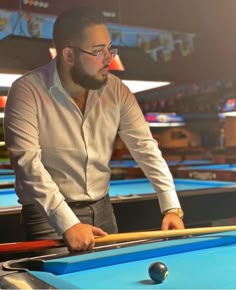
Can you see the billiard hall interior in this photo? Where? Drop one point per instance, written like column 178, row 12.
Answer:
column 178, row 59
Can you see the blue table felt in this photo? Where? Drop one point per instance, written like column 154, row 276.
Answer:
column 203, row 262
column 6, row 171
column 130, row 187
column 7, row 179
column 224, row 167
column 143, row 186
column 133, row 163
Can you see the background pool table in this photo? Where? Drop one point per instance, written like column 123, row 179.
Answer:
column 203, row 262
column 136, row 206
column 5, row 163
column 203, row 202
column 130, row 169
column 226, row 172
column 4, row 171
column 7, row 180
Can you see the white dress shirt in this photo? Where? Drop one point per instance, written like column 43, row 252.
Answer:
column 61, row 155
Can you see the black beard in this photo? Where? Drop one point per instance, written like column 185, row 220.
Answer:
column 80, row 77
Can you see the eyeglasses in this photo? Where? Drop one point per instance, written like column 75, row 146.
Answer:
column 100, row 53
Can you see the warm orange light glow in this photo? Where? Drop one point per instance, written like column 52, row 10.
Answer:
column 116, row 64
column 3, row 100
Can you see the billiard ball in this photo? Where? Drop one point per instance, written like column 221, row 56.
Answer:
column 158, row 272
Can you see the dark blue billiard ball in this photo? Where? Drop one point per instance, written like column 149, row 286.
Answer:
column 158, row 272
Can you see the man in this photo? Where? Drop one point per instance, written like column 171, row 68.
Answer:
column 61, row 121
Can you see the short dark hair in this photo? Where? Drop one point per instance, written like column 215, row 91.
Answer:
column 70, row 24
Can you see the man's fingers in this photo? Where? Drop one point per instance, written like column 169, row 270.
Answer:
column 98, row 232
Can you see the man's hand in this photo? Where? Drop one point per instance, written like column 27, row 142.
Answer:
column 81, row 237
column 172, row 221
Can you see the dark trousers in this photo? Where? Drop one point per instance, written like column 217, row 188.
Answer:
column 99, row 213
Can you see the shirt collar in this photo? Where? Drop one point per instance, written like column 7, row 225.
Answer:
column 54, row 79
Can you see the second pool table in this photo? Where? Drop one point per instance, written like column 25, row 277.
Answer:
column 5, row 163
column 136, row 206
column 7, row 180
column 6, row 171
column 203, row 201
column 130, row 169
column 225, row 172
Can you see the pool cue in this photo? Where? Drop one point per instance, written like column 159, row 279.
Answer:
column 148, row 235
column 31, row 246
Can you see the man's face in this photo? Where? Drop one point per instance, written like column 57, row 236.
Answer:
column 90, row 71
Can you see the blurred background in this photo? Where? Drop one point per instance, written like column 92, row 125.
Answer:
column 184, row 49
column 179, row 59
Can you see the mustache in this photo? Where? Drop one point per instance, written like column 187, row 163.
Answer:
column 105, row 66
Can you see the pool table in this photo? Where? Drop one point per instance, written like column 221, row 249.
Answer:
column 5, row 163
column 203, row 201
column 200, row 262
column 8, row 201
column 4, row 171
column 130, row 168
column 7, row 180
column 226, row 172
column 136, row 206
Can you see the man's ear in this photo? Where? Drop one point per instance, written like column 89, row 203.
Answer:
column 68, row 55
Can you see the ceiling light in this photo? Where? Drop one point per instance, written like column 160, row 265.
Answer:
column 166, row 124
column 138, row 86
column 227, row 114
column 6, row 80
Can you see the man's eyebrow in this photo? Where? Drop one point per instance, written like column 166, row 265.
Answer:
column 102, row 45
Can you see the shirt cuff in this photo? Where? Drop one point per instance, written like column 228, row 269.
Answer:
column 168, row 200
column 63, row 218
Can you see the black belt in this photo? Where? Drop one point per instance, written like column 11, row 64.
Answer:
column 87, row 202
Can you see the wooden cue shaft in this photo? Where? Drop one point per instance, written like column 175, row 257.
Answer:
column 20, row 247
column 122, row 237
